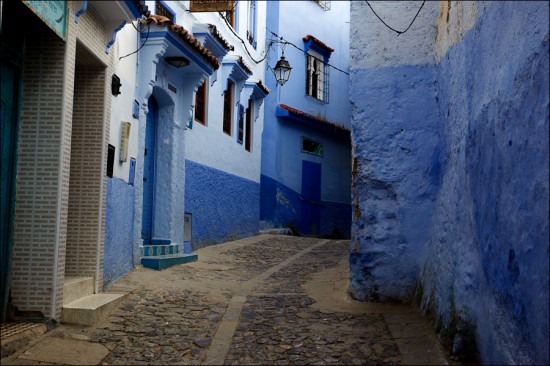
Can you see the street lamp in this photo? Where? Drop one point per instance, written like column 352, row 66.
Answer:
column 282, row 71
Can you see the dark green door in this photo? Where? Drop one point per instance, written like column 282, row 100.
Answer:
column 9, row 112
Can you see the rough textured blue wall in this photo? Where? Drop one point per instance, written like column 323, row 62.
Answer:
column 224, row 206
column 396, row 174
column 486, row 275
column 119, row 225
column 282, row 207
column 457, row 208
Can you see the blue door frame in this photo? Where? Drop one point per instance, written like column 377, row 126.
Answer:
column 310, row 221
column 9, row 112
column 149, row 172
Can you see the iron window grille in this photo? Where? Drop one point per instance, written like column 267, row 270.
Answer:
column 317, row 78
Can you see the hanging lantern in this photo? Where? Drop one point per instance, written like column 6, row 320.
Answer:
column 282, row 71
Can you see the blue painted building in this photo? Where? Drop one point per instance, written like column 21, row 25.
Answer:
column 450, row 126
column 306, row 150
column 186, row 133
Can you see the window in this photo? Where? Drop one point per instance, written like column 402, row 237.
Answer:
column 200, row 104
column 251, row 29
column 228, row 107
column 240, row 129
column 317, row 78
column 248, row 125
column 312, row 147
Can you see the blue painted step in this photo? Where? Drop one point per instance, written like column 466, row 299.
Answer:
column 155, row 250
column 164, row 261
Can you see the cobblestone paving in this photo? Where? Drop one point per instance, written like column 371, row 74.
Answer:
column 246, row 303
column 159, row 327
column 284, row 330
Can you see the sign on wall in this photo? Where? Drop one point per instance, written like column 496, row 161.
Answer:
column 53, row 13
column 211, row 5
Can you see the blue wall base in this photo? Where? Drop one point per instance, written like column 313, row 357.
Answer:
column 165, row 261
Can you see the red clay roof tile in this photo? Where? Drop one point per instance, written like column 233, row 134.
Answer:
column 187, row 37
column 318, row 42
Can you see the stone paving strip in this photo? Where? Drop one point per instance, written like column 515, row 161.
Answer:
column 262, row 300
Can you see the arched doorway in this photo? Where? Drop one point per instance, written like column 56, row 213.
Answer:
column 149, row 171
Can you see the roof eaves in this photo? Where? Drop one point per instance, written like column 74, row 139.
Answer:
column 186, row 36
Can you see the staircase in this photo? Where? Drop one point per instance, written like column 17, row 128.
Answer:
column 82, row 306
column 161, row 256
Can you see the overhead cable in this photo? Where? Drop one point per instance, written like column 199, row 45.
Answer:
column 395, row 30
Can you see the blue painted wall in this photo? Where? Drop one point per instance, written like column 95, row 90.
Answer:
column 119, row 225
column 224, row 206
column 281, row 139
column 451, row 181
column 281, row 206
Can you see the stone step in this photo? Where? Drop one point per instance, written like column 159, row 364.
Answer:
column 164, row 261
column 154, row 250
column 91, row 309
column 75, row 288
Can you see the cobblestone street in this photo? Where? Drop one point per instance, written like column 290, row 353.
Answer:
column 261, row 300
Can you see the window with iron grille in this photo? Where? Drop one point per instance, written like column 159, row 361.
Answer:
column 162, row 9
column 200, row 104
column 311, row 146
column 228, row 107
column 317, row 77
column 248, row 126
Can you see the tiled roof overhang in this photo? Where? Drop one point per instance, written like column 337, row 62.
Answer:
column 315, row 41
column 285, row 112
column 263, row 88
column 244, row 65
column 216, row 33
column 186, row 37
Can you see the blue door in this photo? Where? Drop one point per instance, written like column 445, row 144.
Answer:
column 9, row 113
column 311, row 198
column 149, row 172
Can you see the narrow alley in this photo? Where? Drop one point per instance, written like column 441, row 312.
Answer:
column 268, row 299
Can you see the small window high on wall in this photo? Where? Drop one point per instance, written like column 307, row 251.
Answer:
column 228, row 107
column 312, row 147
column 317, row 76
column 200, row 104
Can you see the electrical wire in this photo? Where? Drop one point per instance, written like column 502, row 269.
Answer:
column 143, row 44
column 395, row 30
column 305, row 52
column 243, row 42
